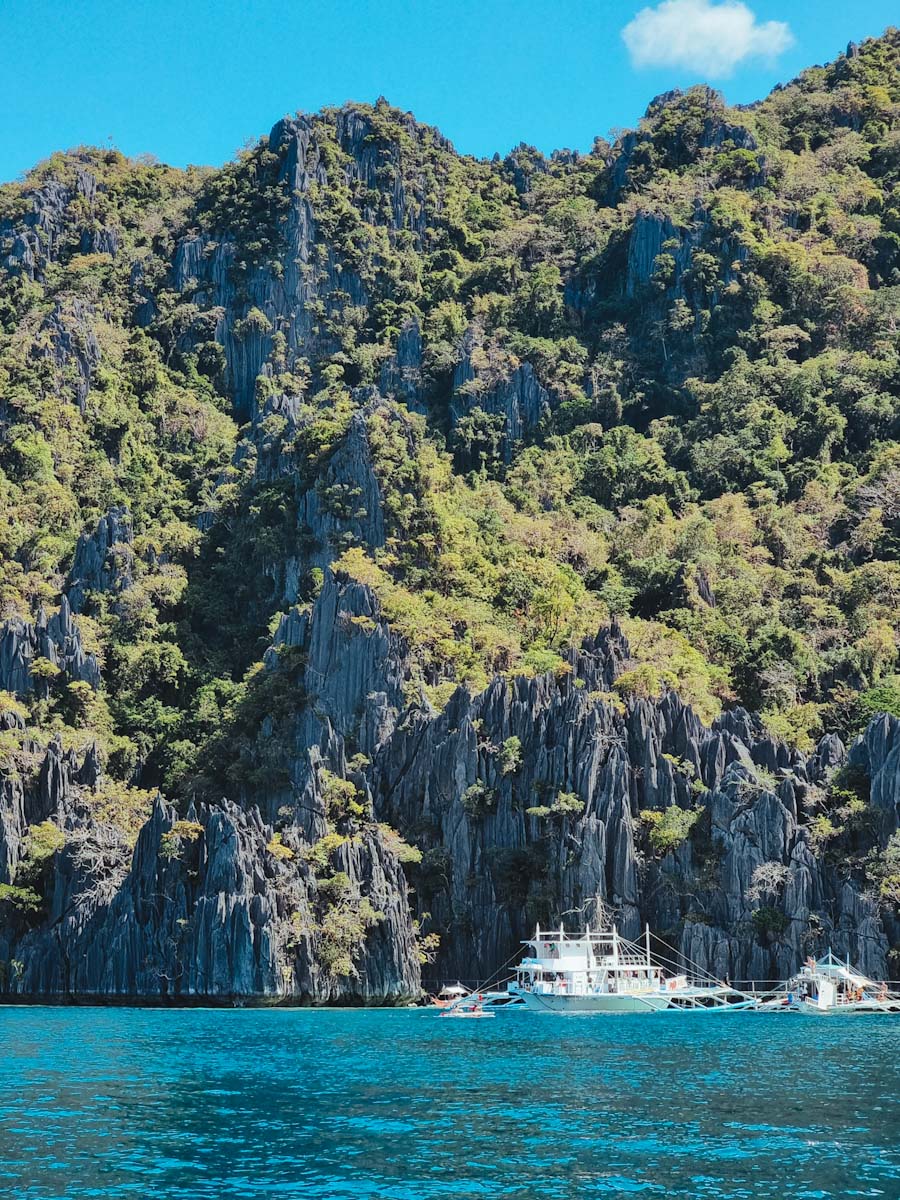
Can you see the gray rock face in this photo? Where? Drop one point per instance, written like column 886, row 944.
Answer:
column 653, row 234
column 199, row 910
column 491, row 868
column 37, row 239
column 343, row 508
column 877, row 755
column 716, row 133
column 526, row 801
column 517, row 395
column 285, row 301
column 523, row 164
column 269, row 440
column 354, row 680
column 310, row 272
column 649, row 232
column 55, row 638
column 451, row 782
column 102, row 559
column 205, row 908
column 20, row 805
column 401, row 375
column 69, row 342
column 376, row 165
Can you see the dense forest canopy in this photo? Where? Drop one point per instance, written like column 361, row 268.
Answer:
column 659, row 382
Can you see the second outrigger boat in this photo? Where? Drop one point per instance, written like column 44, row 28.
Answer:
column 602, row 972
column 830, row 986
column 452, row 999
column 449, row 995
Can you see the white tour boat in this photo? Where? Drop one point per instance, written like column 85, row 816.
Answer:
column 602, row 972
column 828, row 985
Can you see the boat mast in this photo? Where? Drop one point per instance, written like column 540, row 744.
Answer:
column 647, row 941
column 615, row 941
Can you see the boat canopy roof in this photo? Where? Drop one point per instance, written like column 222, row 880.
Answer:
column 453, row 989
column 556, row 937
column 832, row 966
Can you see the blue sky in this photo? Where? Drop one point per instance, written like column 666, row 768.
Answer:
column 192, row 80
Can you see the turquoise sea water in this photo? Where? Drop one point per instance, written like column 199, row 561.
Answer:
column 213, row 1105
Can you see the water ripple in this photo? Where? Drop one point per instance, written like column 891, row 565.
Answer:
column 248, row 1105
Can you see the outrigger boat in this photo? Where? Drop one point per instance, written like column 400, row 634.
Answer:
column 456, row 997
column 602, row 972
column 449, row 994
column 828, row 985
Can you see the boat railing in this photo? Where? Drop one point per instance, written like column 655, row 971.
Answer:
column 752, row 986
column 764, row 985
column 555, row 987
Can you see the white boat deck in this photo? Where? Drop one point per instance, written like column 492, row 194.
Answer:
column 600, row 971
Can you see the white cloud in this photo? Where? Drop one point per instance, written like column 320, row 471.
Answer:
column 702, row 36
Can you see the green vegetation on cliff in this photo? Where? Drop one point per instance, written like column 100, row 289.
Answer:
column 658, row 382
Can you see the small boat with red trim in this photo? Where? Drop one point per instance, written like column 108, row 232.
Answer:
column 450, row 994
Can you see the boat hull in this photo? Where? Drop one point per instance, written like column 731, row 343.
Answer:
column 606, row 1003
column 853, row 1008
column 611, row 1003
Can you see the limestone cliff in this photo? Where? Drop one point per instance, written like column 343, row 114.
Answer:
column 337, row 486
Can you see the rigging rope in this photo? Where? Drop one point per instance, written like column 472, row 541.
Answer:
column 681, row 961
column 482, row 987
